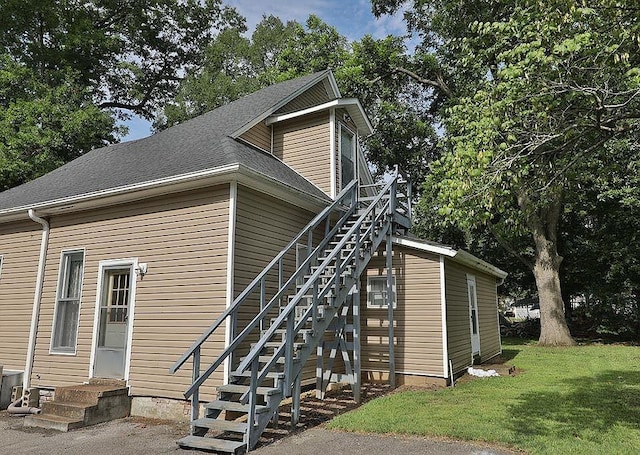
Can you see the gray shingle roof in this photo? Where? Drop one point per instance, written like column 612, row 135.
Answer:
column 199, row 144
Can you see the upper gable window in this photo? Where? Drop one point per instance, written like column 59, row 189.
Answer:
column 347, row 156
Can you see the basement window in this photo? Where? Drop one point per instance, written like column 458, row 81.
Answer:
column 377, row 292
column 67, row 313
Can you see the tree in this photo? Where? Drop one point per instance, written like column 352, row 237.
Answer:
column 530, row 92
column 71, row 68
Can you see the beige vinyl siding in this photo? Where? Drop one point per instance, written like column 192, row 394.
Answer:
column 264, row 225
column 183, row 239
column 458, row 322
column 20, row 249
column 303, row 144
column 417, row 316
column 259, row 136
column 458, row 319
column 488, row 316
column 312, row 97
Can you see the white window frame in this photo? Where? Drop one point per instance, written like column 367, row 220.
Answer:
column 354, row 149
column 382, row 278
column 103, row 266
column 1, row 263
column 61, row 271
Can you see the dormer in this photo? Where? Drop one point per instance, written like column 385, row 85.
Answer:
column 316, row 132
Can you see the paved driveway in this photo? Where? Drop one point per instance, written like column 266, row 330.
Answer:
column 128, row 436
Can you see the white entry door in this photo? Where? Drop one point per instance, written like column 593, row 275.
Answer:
column 113, row 323
column 473, row 315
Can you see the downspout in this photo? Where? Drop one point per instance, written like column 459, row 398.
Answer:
column 26, row 381
column 18, row 410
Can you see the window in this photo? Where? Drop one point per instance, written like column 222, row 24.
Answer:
column 1, row 263
column 347, row 156
column 65, row 328
column 377, row 292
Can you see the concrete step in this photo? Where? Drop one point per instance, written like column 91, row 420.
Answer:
column 223, row 405
column 211, row 444
column 53, row 422
column 88, row 393
column 67, row 409
column 84, row 405
column 221, row 425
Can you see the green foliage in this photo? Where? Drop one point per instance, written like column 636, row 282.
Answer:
column 43, row 127
column 235, row 65
column 564, row 400
column 69, row 69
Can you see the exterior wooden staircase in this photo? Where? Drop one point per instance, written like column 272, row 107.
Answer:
column 292, row 323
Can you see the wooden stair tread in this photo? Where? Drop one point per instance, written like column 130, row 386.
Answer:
column 239, row 388
column 219, row 445
column 247, row 374
column 221, row 425
column 233, row 406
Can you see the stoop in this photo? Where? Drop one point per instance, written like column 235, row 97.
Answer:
column 82, row 405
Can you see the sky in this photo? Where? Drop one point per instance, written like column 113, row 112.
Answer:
column 352, row 18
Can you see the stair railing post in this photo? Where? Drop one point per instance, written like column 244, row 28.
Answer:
column 295, row 402
column 392, row 364
column 288, row 357
column 251, row 417
column 263, row 293
column 314, row 311
column 356, row 341
column 195, row 398
column 280, row 278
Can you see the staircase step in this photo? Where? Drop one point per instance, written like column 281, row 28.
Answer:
column 221, row 425
column 67, row 409
column 233, row 406
column 239, row 388
column 53, row 422
column 276, row 344
column 218, row 445
column 247, row 374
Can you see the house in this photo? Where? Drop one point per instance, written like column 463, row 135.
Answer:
column 241, row 254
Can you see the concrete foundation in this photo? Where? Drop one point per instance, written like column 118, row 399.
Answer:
column 404, row 379
column 162, row 408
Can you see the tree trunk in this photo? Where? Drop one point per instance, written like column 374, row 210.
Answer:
column 553, row 326
column 543, row 220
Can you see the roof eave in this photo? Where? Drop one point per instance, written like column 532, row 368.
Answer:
column 352, row 105
column 459, row 256
column 251, row 123
column 167, row 185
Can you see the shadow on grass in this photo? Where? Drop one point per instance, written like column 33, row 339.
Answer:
column 592, row 406
column 509, row 354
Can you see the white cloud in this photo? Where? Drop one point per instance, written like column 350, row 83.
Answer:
column 298, row 10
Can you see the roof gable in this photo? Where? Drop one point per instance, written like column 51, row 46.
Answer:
column 202, row 143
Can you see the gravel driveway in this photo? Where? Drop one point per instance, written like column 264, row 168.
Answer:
column 139, row 437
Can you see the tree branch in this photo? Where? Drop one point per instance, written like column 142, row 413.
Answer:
column 504, row 244
column 438, row 83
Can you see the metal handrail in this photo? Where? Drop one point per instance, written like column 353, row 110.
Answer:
column 255, row 351
column 314, row 223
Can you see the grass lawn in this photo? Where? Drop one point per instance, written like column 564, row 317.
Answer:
column 581, row 400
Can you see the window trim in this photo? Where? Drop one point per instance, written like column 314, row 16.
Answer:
column 370, row 305
column 52, row 349
column 354, row 154
column 1, row 263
